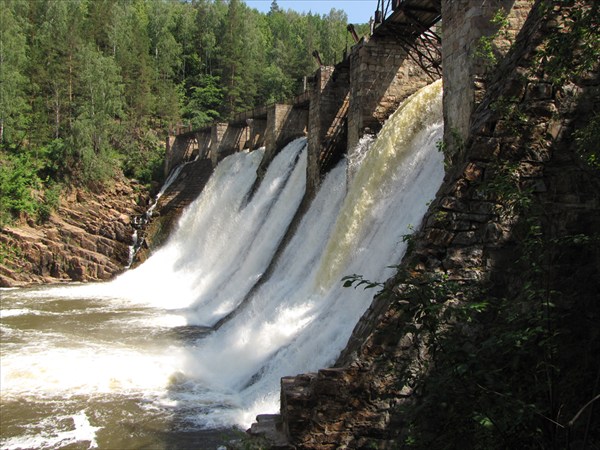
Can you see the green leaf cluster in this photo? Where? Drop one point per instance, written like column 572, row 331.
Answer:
column 22, row 186
column 587, row 140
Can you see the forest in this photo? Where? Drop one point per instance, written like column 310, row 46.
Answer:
column 90, row 89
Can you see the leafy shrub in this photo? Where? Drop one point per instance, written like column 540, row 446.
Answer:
column 18, row 182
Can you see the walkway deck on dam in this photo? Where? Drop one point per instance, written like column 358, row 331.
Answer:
column 241, row 118
column 410, row 18
column 411, row 25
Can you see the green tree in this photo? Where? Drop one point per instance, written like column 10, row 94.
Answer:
column 98, row 24
column 334, row 36
column 186, row 35
column 232, row 59
column 18, row 181
column 55, row 35
column 166, row 53
column 210, row 20
column 13, row 60
column 131, row 48
column 203, row 104
column 99, row 105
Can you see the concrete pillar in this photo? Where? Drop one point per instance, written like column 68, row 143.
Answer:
column 328, row 97
column 226, row 139
column 284, row 124
column 466, row 23
column 258, row 128
column 180, row 149
column 203, row 138
column 168, row 154
column 217, row 132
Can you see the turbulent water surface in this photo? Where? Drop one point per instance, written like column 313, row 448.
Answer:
column 139, row 363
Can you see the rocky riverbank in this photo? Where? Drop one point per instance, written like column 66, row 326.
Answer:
column 86, row 239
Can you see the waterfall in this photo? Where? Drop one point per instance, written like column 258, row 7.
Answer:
column 298, row 320
column 301, row 318
column 141, row 221
column 391, row 150
column 222, row 243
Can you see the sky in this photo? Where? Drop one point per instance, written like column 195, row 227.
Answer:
column 358, row 11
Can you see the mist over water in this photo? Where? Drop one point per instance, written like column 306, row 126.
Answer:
column 142, row 343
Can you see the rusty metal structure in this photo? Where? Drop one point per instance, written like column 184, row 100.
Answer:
column 412, row 23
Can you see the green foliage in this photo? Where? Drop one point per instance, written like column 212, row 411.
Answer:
column 49, row 203
column 100, row 103
column 506, row 186
column 87, row 87
column 575, row 46
column 18, row 183
column 587, row 140
column 276, row 86
column 486, row 47
column 13, row 100
column 358, row 280
column 9, row 252
column 509, row 110
column 143, row 158
column 203, row 102
column 26, row 185
column 451, row 148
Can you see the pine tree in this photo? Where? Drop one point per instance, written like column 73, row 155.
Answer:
column 99, row 104
column 131, row 48
column 13, row 47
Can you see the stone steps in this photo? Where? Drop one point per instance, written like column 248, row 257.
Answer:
column 269, row 427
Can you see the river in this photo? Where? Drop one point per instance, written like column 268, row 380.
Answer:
column 181, row 352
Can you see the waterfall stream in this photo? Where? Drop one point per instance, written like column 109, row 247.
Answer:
column 134, row 363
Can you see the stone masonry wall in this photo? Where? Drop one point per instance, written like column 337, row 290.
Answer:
column 382, row 75
column 467, row 238
column 466, row 59
column 284, row 124
column 327, row 98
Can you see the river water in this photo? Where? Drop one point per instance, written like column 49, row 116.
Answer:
column 182, row 352
column 87, row 373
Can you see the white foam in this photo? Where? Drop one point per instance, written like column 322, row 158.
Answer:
column 14, row 312
column 36, row 372
column 82, row 431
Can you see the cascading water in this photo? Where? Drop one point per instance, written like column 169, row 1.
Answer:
column 129, row 363
column 222, row 245
column 141, row 221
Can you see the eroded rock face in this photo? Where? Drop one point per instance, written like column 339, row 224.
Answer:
column 87, row 239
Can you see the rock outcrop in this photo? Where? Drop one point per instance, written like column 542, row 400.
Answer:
column 86, row 239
